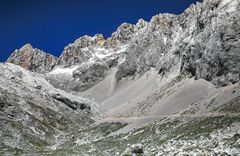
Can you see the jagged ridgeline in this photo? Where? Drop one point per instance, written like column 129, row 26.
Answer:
column 169, row 86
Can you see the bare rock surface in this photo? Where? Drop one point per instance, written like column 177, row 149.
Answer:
column 32, row 113
column 202, row 42
column 33, row 59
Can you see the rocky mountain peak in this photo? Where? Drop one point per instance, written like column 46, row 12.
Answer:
column 99, row 40
column 87, row 41
column 27, row 47
column 33, row 59
column 123, row 34
column 86, row 48
column 140, row 24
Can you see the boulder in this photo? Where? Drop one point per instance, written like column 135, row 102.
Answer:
column 137, row 148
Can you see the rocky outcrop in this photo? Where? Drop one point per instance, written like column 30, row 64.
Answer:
column 213, row 52
column 89, row 75
column 81, row 50
column 123, row 34
column 72, row 104
column 33, row 59
column 87, row 49
column 148, row 47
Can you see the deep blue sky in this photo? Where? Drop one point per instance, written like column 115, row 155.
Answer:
column 51, row 24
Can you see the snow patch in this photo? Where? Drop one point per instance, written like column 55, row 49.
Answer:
column 165, row 40
column 61, row 70
column 102, row 53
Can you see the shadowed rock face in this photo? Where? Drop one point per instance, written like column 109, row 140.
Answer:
column 72, row 104
column 90, row 75
column 33, row 59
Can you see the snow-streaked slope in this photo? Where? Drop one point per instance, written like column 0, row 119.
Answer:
column 100, row 54
column 90, row 72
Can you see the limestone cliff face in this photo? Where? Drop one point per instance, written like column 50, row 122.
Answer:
column 87, row 48
column 202, row 42
column 81, row 50
column 33, row 59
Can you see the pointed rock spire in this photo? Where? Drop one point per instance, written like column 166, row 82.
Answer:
column 26, row 47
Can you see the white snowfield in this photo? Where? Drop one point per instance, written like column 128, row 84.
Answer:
column 64, row 71
column 102, row 53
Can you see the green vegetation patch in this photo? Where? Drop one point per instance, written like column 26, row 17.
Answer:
column 203, row 126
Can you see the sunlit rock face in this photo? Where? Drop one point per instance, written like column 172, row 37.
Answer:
column 33, row 59
column 202, row 42
column 87, row 49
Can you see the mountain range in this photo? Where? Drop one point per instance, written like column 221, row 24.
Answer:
column 169, row 86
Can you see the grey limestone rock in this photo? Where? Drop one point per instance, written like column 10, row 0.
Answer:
column 123, row 34
column 90, row 74
column 81, row 50
column 85, row 48
column 137, row 148
column 72, row 104
column 31, row 118
column 204, row 40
